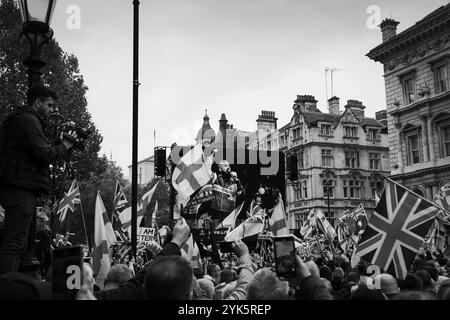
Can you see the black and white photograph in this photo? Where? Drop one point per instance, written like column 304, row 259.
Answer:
column 224, row 151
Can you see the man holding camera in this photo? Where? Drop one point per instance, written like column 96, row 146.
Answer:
column 25, row 156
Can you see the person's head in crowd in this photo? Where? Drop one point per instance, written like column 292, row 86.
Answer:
column 320, row 262
column 313, row 269
column 443, row 292
column 432, row 271
column 325, row 272
column 426, row 279
column 226, row 276
column 361, row 268
column 265, row 285
column 409, row 295
column 117, row 275
column 88, row 276
column 331, row 264
column 433, row 263
column 198, row 273
column 207, row 286
column 169, row 278
column 388, row 284
column 213, row 270
column 412, row 282
column 418, row 264
column 364, row 293
column 338, row 273
column 351, row 278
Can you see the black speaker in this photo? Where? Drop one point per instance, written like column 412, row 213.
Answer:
column 160, row 161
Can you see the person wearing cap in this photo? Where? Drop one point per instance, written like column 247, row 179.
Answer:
column 388, row 285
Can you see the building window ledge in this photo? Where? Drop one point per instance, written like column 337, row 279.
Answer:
column 326, row 136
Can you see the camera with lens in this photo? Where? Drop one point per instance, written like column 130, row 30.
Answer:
column 82, row 134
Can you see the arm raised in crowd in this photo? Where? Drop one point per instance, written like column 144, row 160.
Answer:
column 132, row 289
column 246, row 271
column 309, row 287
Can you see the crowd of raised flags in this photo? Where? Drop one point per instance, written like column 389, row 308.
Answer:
column 401, row 223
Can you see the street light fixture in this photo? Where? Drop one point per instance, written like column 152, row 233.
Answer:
column 36, row 17
column 328, row 183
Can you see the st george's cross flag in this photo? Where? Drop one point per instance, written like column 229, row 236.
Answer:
column 396, row 230
column 191, row 252
column 104, row 238
column 277, row 221
column 69, row 200
column 191, row 173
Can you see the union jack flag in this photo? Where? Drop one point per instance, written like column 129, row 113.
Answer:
column 396, row 230
column 442, row 198
column 70, row 198
column 120, row 200
column 254, row 209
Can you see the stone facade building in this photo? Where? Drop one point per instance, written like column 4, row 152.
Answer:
column 417, row 80
column 346, row 149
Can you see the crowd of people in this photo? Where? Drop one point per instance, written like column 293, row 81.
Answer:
column 245, row 276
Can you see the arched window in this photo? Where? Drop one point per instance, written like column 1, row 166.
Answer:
column 419, row 191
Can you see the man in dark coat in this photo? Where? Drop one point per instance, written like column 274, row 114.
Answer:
column 25, row 157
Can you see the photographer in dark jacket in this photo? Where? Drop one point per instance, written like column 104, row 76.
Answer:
column 24, row 173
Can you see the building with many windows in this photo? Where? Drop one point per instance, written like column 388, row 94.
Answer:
column 416, row 74
column 146, row 170
column 343, row 155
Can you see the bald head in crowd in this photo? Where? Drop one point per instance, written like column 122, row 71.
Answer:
column 169, row 278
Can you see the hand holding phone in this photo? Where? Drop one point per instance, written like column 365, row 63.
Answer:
column 285, row 260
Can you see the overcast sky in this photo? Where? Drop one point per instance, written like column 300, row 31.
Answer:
column 233, row 56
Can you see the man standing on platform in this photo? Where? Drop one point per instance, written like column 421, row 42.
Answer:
column 25, row 156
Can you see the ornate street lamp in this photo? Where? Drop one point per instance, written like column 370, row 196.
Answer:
column 36, row 17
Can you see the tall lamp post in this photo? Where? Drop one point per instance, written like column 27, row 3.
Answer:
column 328, row 183
column 36, row 16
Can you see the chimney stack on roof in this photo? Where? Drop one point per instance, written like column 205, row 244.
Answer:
column 356, row 107
column 388, row 29
column 333, row 105
column 306, row 103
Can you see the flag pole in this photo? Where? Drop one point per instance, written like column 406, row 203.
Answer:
column 419, row 196
column 84, row 225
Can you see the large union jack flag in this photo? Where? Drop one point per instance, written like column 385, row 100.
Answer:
column 396, row 230
column 70, row 198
